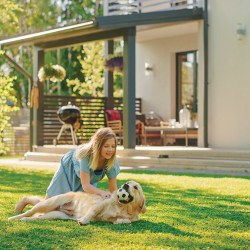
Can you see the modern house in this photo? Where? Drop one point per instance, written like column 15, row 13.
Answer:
column 175, row 52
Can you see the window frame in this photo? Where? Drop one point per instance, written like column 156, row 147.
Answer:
column 179, row 105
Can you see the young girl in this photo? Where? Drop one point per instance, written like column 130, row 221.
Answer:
column 81, row 169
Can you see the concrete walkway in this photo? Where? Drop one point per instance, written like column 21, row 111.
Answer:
column 52, row 166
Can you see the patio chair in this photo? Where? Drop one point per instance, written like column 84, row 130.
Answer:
column 114, row 121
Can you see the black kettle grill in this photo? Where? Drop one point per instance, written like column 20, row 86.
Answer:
column 69, row 116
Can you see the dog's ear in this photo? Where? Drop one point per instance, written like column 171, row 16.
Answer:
column 143, row 204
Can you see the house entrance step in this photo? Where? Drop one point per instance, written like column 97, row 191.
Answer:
column 154, row 161
column 163, row 152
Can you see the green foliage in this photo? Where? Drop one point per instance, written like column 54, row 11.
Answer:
column 118, row 76
column 68, row 12
column 92, row 64
column 9, row 20
column 118, row 90
column 7, row 105
column 90, row 82
column 44, row 15
column 78, row 10
column 183, row 212
column 17, row 19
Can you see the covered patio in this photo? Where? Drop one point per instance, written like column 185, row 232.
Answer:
column 102, row 28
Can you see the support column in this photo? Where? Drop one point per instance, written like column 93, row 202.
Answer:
column 206, row 25
column 37, row 121
column 108, row 76
column 129, row 116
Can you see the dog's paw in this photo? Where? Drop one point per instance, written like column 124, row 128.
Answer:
column 12, row 218
column 26, row 219
column 122, row 221
column 83, row 221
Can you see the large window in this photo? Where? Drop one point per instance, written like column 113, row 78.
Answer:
column 186, row 87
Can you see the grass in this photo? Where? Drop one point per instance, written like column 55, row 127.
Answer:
column 183, row 212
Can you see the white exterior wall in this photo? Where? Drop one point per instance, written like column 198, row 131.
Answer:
column 229, row 75
column 158, row 90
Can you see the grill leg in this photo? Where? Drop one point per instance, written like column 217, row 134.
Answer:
column 73, row 135
column 60, row 133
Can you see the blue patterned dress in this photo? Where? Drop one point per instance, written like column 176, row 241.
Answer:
column 67, row 177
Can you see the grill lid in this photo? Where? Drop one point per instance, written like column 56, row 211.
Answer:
column 69, row 114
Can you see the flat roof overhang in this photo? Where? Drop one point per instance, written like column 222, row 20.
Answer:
column 63, row 36
column 102, row 28
column 158, row 17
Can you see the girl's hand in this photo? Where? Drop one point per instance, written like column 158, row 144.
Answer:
column 105, row 195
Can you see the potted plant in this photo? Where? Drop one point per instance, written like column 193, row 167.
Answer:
column 114, row 63
column 54, row 73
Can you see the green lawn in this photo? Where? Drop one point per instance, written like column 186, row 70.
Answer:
column 183, row 212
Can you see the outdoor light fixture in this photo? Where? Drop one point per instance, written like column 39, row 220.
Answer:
column 240, row 31
column 148, row 69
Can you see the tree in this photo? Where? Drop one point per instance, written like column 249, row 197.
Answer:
column 47, row 14
column 16, row 19
column 92, row 69
column 9, row 23
column 7, row 105
column 78, row 10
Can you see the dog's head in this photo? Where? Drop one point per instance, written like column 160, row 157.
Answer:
column 131, row 193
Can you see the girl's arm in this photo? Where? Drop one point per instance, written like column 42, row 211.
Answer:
column 88, row 188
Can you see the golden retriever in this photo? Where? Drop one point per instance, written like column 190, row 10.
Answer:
column 123, row 206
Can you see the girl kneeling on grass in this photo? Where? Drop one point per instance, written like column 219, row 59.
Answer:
column 82, row 168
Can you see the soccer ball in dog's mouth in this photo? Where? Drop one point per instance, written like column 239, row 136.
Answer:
column 124, row 196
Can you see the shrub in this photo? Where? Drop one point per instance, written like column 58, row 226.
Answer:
column 7, row 106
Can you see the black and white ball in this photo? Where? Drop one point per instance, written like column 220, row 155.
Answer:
column 122, row 194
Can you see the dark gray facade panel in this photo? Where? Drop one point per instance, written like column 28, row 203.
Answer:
column 123, row 21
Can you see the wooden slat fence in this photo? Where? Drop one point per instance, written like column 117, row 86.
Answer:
column 118, row 104
column 92, row 116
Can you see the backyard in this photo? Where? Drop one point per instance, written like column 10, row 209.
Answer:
column 184, row 211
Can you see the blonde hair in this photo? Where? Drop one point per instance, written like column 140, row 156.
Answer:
column 92, row 149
